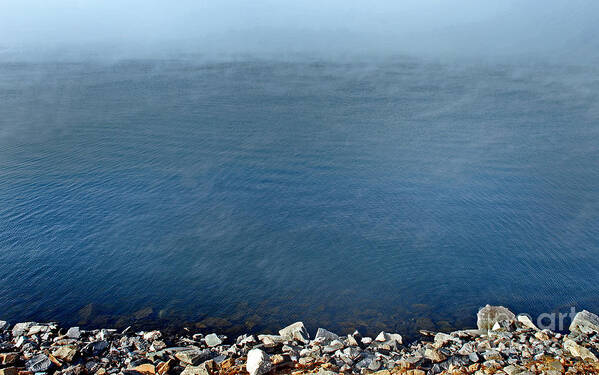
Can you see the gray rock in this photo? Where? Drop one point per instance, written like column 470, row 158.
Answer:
column 325, row 336
column 73, row 333
column 585, row 322
column 206, row 368
column 271, row 341
column 39, row 363
column 296, row 331
column 193, row 356
column 257, row 362
column 375, row 365
column 579, row 351
column 4, row 325
column 489, row 315
column 212, row 340
column 21, row 328
column 525, row 321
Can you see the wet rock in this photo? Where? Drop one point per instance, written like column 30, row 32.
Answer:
column 296, row 331
column 39, row 363
column 212, row 340
column 258, row 362
column 585, row 322
column 489, row 315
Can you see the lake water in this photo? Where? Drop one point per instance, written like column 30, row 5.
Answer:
column 250, row 194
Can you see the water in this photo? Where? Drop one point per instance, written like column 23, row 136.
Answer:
column 250, row 194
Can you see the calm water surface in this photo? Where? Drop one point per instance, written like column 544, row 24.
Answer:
column 398, row 195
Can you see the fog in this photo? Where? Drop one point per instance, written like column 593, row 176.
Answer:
column 547, row 30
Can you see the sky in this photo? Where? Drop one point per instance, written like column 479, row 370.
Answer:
column 549, row 29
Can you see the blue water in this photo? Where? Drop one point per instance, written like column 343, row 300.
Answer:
column 399, row 195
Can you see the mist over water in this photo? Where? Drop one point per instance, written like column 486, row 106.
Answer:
column 245, row 166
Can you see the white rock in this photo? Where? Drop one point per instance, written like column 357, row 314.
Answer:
column 526, row 322
column 257, row 362
column 384, row 336
column 585, row 322
column 296, row 331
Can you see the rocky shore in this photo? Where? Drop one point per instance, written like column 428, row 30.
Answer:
column 501, row 344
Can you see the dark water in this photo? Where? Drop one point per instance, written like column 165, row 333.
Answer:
column 396, row 195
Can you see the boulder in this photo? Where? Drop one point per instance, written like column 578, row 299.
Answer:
column 257, row 362
column 434, row 355
column 489, row 315
column 21, row 328
column 296, row 331
column 585, row 322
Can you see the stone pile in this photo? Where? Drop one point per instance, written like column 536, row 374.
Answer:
column 502, row 344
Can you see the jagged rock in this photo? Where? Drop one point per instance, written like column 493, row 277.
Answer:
column 146, row 368
column 579, row 351
column 21, row 328
column 489, row 315
column 296, row 331
column 212, row 340
column 152, row 335
column 73, row 333
column 585, row 322
column 526, row 322
column 257, row 362
column 325, row 336
column 4, row 325
column 205, row 368
column 384, row 336
column 271, row 341
column 193, row 356
column 9, row 371
column 434, row 355
column 39, row 363
column 65, row 353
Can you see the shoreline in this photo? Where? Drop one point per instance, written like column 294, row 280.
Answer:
column 502, row 343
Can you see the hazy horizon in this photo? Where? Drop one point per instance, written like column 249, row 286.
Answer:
column 554, row 31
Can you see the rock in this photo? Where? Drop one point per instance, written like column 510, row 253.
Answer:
column 296, row 331
column 257, row 362
column 489, row 315
column 384, row 336
column 271, row 341
column 579, row 351
column 21, row 328
column 8, row 358
column 585, row 322
column 39, row 363
column 9, row 371
column 434, row 355
column 65, row 353
column 98, row 347
column 37, row 329
column 212, row 340
column 442, row 339
column 193, row 356
column 206, row 368
column 146, row 368
column 526, row 322
column 325, row 336
column 73, row 333
column 366, row 340
column 164, row 367
column 4, row 325
column 152, row 335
